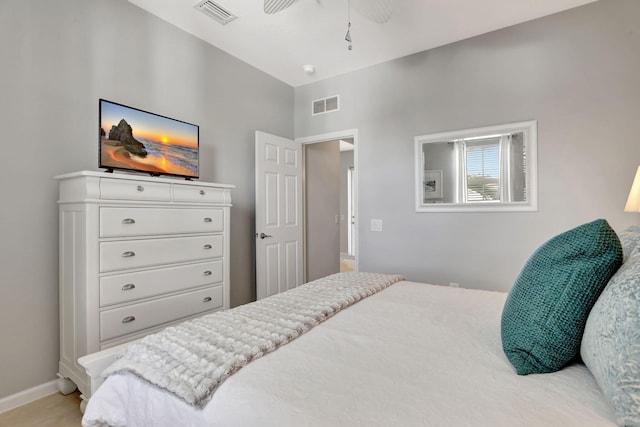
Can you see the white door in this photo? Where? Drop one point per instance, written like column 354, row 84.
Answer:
column 278, row 214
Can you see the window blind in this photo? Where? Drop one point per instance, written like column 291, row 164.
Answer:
column 483, row 170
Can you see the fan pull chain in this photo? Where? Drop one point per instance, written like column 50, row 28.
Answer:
column 347, row 37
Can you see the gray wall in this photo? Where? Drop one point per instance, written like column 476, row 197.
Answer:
column 57, row 59
column 322, row 196
column 575, row 72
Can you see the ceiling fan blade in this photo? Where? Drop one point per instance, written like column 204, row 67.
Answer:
column 275, row 6
column 378, row 11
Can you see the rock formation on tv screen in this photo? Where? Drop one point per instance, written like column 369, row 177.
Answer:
column 124, row 133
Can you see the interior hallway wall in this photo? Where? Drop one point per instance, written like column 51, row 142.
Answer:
column 322, row 196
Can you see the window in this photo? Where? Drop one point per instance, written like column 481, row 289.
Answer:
column 493, row 169
column 482, row 170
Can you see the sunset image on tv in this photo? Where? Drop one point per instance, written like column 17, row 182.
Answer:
column 137, row 140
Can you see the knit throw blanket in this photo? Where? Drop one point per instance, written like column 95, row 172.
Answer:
column 192, row 359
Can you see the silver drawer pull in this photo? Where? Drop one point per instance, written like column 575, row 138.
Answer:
column 208, row 219
column 128, row 319
column 207, row 273
column 206, row 299
column 207, row 246
column 128, row 287
column 140, row 188
column 128, row 254
column 202, row 193
column 128, row 221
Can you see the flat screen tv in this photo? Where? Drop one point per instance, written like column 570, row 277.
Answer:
column 136, row 140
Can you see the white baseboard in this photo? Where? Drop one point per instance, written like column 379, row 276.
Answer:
column 27, row 396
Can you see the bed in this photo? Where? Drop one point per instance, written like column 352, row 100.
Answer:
column 411, row 354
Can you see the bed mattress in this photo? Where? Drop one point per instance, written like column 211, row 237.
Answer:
column 411, row 355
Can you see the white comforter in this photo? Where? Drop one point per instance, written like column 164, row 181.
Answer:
column 411, row 355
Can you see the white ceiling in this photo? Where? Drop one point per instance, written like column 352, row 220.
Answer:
column 312, row 31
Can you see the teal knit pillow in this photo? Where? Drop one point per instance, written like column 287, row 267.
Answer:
column 546, row 310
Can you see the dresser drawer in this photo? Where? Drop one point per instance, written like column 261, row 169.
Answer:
column 120, row 189
column 122, row 255
column 120, row 222
column 136, row 317
column 189, row 193
column 127, row 287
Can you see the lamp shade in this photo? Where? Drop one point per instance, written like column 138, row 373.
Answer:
column 633, row 202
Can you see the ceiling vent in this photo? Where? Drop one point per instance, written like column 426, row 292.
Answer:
column 325, row 105
column 215, row 11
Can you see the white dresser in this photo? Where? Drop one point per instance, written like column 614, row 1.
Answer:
column 137, row 254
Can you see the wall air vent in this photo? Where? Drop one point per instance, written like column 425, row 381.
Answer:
column 325, row 105
column 215, row 11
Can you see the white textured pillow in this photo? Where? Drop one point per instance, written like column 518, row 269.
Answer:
column 611, row 342
column 629, row 239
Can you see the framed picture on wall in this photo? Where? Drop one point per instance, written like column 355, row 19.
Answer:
column 432, row 183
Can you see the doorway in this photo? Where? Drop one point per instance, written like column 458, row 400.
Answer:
column 330, row 203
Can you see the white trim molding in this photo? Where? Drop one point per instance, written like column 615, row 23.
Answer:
column 27, row 396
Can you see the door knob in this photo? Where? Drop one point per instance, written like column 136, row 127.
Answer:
column 263, row 236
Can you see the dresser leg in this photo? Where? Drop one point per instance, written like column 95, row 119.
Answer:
column 83, row 403
column 65, row 385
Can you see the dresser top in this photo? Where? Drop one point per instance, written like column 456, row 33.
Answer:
column 141, row 178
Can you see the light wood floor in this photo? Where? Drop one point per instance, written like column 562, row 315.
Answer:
column 55, row 410
column 347, row 264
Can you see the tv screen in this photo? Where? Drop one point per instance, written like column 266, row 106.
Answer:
column 136, row 140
